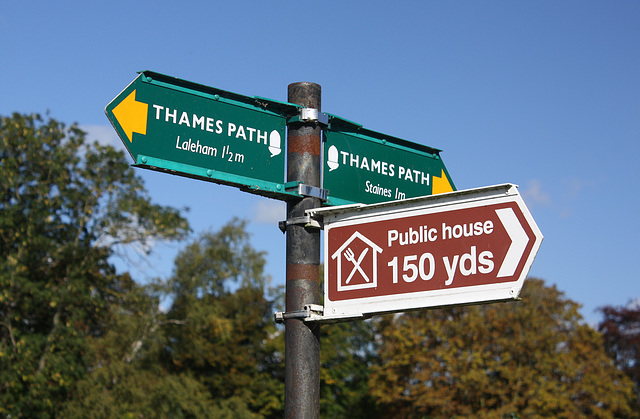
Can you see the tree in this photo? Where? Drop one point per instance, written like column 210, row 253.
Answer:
column 222, row 331
column 347, row 351
column 127, row 378
column 621, row 332
column 64, row 206
column 534, row 358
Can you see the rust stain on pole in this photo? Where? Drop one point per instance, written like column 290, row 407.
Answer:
column 302, row 271
column 304, row 144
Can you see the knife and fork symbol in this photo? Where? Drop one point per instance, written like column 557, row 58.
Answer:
column 350, row 256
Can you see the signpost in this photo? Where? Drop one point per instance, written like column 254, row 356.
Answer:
column 184, row 128
column 364, row 166
column 458, row 248
column 418, row 244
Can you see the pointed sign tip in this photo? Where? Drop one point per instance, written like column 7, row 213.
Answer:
column 441, row 184
column 132, row 116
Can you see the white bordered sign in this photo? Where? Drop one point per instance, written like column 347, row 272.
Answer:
column 461, row 247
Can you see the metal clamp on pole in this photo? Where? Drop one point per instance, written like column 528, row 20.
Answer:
column 306, row 190
column 309, row 312
column 310, row 115
column 307, row 220
column 312, row 191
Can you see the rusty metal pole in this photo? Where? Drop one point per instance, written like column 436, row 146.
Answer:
column 302, row 340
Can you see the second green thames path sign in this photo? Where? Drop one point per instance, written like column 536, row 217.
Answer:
column 364, row 166
column 172, row 125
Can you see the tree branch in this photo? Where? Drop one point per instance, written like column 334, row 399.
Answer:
column 148, row 330
column 56, row 322
column 13, row 340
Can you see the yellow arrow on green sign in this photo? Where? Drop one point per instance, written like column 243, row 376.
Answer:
column 132, row 116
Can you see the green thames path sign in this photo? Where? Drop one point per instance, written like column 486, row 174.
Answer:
column 184, row 128
column 364, row 166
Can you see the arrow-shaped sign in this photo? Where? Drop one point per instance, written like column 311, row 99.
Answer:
column 188, row 129
column 364, row 166
column 457, row 248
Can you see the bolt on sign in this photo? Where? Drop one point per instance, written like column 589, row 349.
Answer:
column 364, row 166
column 456, row 248
column 184, row 128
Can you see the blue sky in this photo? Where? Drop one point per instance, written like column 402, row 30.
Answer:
column 542, row 94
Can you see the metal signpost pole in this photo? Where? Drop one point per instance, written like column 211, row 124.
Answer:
column 302, row 340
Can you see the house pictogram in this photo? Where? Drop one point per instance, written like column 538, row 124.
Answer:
column 357, row 263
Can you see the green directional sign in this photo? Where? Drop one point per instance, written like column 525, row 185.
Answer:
column 363, row 166
column 184, row 128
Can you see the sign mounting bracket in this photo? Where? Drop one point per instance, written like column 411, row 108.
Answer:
column 309, row 312
column 310, row 115
column 307, row 220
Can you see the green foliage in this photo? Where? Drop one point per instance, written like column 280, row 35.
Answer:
column 533, row 358
column 64, row 204
column 223, row 329
column 127, row 377
column 128, row 391
column 347, row 351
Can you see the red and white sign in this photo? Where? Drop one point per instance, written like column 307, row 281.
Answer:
column 457, row 248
